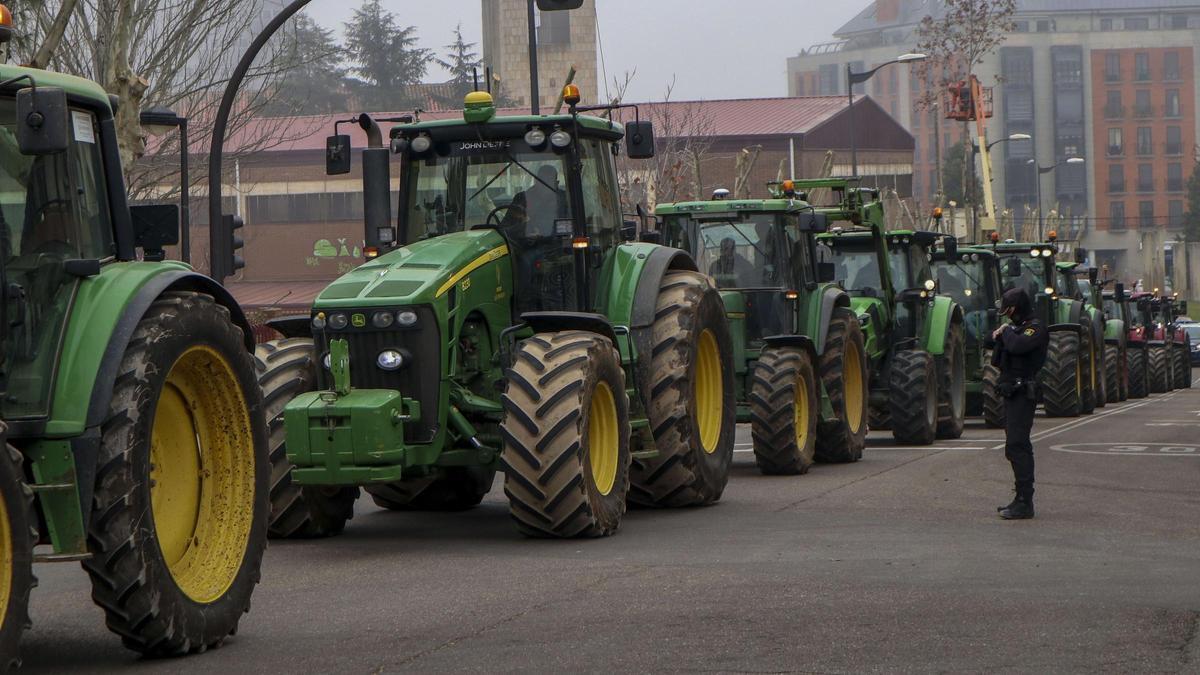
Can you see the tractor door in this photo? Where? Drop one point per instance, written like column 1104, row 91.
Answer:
column 53, row 208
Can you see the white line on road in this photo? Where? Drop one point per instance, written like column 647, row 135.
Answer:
column 1077, row 423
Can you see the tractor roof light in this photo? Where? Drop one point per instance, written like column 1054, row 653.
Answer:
column 1035, row 253
column 995, row 237
column 789, row 188
column 1052, row 235
column 937, row 213
column 478, row 107
column 6, row 22
column 792, row 295
column 1049, row 291
column 930, row 284
column 560, row 138
column 421, row 144
column 1046, row 253
column 580, row 243
column 720, row 194
column 535, row 138
column 571, row 95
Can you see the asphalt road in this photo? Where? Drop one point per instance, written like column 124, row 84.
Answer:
column 896, row 563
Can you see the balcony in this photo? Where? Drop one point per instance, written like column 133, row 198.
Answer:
column 1114, row 112
column 1145, row 186
column 1111, row 76
column 1145, row 149
column 1143, row 111
column 1173, row 148
column 1115, row 150
column 1141, row 75
column 1116, row 187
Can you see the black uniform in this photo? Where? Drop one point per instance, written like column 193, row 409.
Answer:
column 1020, row 352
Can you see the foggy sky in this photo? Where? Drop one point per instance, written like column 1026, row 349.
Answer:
column 713, row 49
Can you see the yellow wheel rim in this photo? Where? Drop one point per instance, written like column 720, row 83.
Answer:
column 855, row 387
column 6, row 559
column 710, row 391
column 603, row 443
column 802, row 411
column 202, row 474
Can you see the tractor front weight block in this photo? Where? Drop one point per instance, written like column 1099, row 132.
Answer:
column 349, row 439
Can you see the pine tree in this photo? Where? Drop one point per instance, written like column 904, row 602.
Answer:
column 385, row 57
column 318, row 82
column 464, row 65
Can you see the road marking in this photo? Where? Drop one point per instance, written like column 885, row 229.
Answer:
column 1148, row 450
column 1076, row 423
column 919, row 447
column 1173, row 424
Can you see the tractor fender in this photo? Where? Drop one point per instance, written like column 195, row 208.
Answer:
column 798, row 341
column 943, row 314
column 1075, row 313
column 135, row 309
column 1064, row 327
column 1114, row 332
column 659, row 261
column 298, row 326
column 1156, row 343
column 552, row 322
column 831, row 298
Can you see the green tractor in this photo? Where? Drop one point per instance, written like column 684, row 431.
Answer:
column 1069, row 376
column 1111, row 333
column 972, row 278
column 1128, row 354
column 914, row 336
column 135, row 441
column 798, row 350
column 511, row 323
column 1071, row 287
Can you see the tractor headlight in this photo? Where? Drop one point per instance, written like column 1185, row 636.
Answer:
column 383, row 319
column 318, row 322
column 1035, row 253
column 338, row 321
column 1046, row 253
column 930, row 284
column 967, row 291
column 407, row 318
column 560, row 139
column 535, row 138
column 1049, row 291
column 389, row 359
column 974, row 257
column 421, row 144
column 327, row 362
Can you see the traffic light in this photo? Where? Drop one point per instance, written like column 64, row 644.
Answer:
column 555, row 5
column 226, row 245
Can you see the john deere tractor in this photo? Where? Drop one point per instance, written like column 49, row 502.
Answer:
column 1131, row 371
column 971, row 276
column 914, row 337
column 1115, row 332
column 799, row 357
column 510, row 323
column 1070, row 371
column 135, row 439
column 1071, row 287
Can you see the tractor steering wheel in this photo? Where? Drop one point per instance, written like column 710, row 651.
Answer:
column 506, row 208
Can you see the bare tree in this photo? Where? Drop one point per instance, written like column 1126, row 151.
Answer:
column 685, row 137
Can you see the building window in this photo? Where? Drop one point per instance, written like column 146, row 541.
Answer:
column 1116, row 178
column 1020, row 26
column 1141, row 66
column 1105, row 24
column 1112, row 105
column 1146, row 214
column 916, row 118
column 916, row 153
column 1175, row 214
column 829, row 80
column 1116, row 142
column 1137, row 24
column 1174, row 141
column 1019, row 105
column 554, row 28
column 1045, row 26
column 1145, row 178
column 1179, row 21
column 1171, row 66
column 1141, row 103
column 1174, row 177
column 1112, row 67
column 1171, row 109
column 1116, row 216
column 1145, row 141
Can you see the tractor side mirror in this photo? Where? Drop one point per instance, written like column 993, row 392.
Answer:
column 155, row 226
column 337, row 155
column 813, row 222
column 1081, row 254
column 42, row 121
column 629, row 230
column 1119, row 291
column 1012, row 267
column 639, row 139
column 826, row 272
column 1093, row 275
column 950, row 246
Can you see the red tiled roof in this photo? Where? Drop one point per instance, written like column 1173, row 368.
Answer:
column 784, row 116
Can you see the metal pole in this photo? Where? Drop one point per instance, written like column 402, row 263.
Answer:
column 220, row 125
column 534, row 95
column 1041, row 220
column 185, row 211
column 853, row 140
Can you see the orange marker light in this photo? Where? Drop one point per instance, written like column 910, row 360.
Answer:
column 937, row 213
column 580, row 243
column 995, row 236
column 789, row 187
column 370, row 252
column 571, row 94
column 5, row 17
column 792, row 295
column 1052, row 236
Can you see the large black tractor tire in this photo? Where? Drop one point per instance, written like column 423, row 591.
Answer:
column 1062, row 375
column 1159, row 369
column 1112, row 373
column 179, row 515
column 1091, row 372
column 287, row 368
column 17, row 538
column 784, row 407
column 1139, row 372
column 456, row 489
column 878, row 418
column 994, row 414
column 952, row 385
column 690, row 404
column 1183, row 367
column 913, row 397
column 843, row 371
column 566, row 436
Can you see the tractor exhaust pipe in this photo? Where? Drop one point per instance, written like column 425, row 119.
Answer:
column 377, row 190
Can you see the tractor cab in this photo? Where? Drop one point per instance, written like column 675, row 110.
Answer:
column 971, row 276
column 1030, row 266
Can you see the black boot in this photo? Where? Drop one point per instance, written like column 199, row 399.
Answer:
column 1020, row 509
column 1008, row 506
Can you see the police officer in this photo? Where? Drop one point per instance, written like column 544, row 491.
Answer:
column 1019, row 353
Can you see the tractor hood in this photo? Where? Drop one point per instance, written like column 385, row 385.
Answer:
column 418, row 273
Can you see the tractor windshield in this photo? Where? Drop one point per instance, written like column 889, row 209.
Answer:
column 856, row 266
column 53, row 208
column 1068, row 285
column 745, row 251
column 1033, row 273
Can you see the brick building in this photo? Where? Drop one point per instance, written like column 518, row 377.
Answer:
column 565, row 39
column 1075, row 74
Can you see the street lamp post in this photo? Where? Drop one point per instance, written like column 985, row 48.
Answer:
column 158, row 121
column 1041, row 171
column 853, row 78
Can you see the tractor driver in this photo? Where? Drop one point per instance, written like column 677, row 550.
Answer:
column 730, row 266
column 530, row 219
